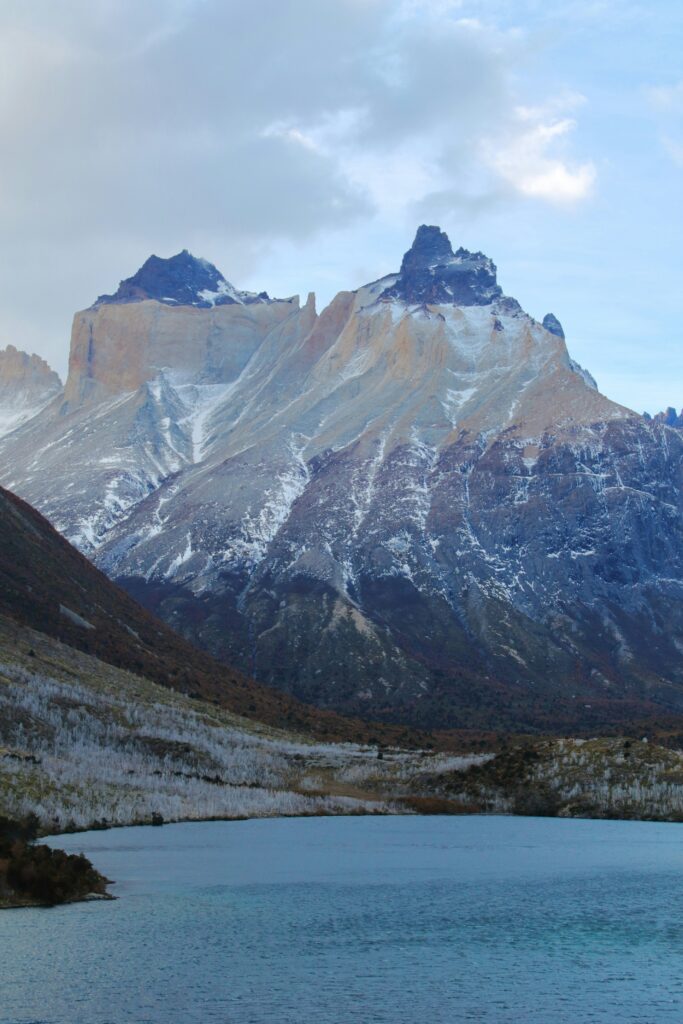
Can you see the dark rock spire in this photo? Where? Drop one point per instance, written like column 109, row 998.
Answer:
column 432, row 273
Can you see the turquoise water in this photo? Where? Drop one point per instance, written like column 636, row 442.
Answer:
column 333, row 920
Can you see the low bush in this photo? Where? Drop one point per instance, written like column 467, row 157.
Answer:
column 39, row 873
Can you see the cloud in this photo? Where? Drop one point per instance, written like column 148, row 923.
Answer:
column 232, row 102
column 426, row 129
column 526, row 160
column 227, row 126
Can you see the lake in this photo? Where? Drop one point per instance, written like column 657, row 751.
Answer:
column 436, row 920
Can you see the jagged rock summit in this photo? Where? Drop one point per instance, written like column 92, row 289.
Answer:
column 432, row 273
column 182, row 280
column 669, row 417
column 414, row 504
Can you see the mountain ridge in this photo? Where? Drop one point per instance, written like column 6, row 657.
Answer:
column 48, row 587
column 668, row 417
column 422, row 510
column 182, row 280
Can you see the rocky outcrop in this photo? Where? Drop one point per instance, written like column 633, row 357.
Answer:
column 669, row 418
column 552, row 324
column 432, row 273
column 38, row 876
column 419, row 509
column 27, row 385
column 181, row 280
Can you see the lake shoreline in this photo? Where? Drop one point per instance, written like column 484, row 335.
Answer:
column 34, row 874
column 408, row 812
column 391, row 806
column 91, row 897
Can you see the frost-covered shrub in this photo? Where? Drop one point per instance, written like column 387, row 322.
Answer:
column 77, row 755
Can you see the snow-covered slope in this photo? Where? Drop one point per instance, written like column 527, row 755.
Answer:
column 414, row 504
column 27, row 385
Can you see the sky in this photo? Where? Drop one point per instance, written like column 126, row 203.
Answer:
column 299, row 145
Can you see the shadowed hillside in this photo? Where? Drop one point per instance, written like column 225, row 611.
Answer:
column 47, row 585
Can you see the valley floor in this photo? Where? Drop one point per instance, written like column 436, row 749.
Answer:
column 86, row 745
column 83, row 745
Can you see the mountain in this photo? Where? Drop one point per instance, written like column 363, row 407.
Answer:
column 87, row 739
column 669, row 417
column 414, row 505
column 27, row 384
column 181, row 280
column 50, row 592
column 86, row 742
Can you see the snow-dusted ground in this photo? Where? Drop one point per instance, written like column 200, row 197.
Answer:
column 83, row 741
column 14, row 413
column 76, row 753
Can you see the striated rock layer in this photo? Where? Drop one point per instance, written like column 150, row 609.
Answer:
column 413, row 505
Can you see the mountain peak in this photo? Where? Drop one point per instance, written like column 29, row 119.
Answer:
column 431, row 247
column 431, row 272
column 183, row 280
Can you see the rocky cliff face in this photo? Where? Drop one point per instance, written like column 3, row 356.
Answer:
column 413, row 505
column 27, row 385
column 144, row 379
column 117, row 348
column 669, row 417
